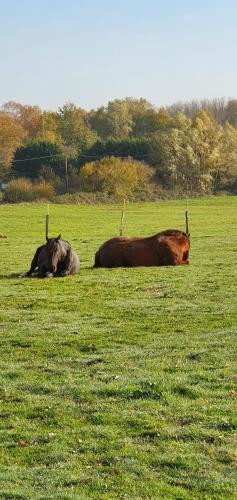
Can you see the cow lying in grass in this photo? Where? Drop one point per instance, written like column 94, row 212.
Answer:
column 55, row 258
column 168, row 248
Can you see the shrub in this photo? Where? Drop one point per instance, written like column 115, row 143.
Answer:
column 43, row 189
column 47, row 174
column 18, row 190
column 23, row 190
column 116, row 177
column 84, row 198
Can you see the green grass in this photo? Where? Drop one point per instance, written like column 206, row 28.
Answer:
column 119, row 383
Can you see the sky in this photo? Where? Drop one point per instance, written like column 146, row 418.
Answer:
column 92, row 51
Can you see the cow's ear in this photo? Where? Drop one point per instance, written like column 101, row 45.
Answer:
column 59, row 236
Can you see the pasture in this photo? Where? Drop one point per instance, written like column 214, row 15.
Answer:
column 119, row 383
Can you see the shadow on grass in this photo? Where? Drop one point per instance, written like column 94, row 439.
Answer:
column 11, row 276
column 146, row 390
column 185, row 391
column 24, row 276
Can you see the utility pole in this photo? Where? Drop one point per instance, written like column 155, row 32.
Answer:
column 66, row 175
column 69, row 152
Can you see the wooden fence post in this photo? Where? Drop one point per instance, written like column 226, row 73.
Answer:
column 47, row 224
column 186, row 218
column 122, row 219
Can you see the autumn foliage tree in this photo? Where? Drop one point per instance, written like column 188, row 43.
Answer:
column 116, row 177
column 191, row 145
column 12, row 135
column 188, row 155
column 73, row 129
column 224, row 171
column 49, row 127
column 27, row 116
column 113, row 121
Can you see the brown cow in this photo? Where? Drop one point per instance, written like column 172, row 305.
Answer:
column 168, row 248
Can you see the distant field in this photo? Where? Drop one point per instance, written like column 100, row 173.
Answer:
column 119, row 383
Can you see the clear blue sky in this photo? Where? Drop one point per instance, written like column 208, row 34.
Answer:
column 92, row 51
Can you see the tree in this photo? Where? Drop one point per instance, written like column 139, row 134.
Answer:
column 136, row 148
column 11, row 136
column 129, row 117
column 163, row 120
column 206, row 135
column 27, row 116
column 116, row 177
column 29, row 160
column 73, row 128
column 224, row 171
column 167, row 155
column 145, row 119
column 186, row 155
column 142, row 115
column 231, row 112
column 217, row 107
column 112, row 122
column 49, row 125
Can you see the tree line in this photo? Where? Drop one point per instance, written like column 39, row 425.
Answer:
column 125, row 147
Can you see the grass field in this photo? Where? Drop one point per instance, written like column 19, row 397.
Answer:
column 119, row 383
